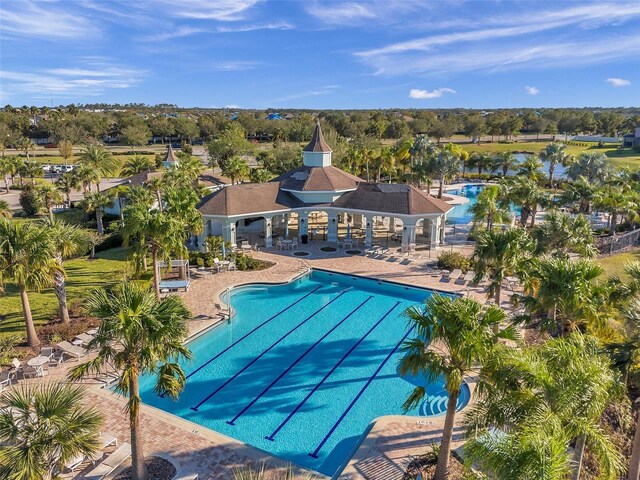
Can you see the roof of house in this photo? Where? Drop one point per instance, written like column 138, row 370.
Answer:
column 170, row 156
column 214, row 180
column 317, row 179
column 395, row 198
column 317, row 143
column 248, row 198
column 141, row 178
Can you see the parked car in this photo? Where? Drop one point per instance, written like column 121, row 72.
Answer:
column 47, row 167
column 51, row 145
column 62, row 168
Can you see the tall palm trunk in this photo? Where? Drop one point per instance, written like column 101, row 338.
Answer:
column 614, row 222
column 60, row 288
column 50, row 210
column 578, row 453
column 137, row 455
column 156, row 273
column 634, row 463
column 441, row 188
column 99, row 222
column 551, row 170
column 159, row 198
column 32, row 336
column 6, row 184
column 442, row 466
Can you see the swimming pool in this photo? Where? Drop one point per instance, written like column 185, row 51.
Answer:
column 303, row 368
column 460, row 213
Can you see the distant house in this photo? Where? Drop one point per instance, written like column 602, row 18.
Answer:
column 274, row 116
column 631, row 140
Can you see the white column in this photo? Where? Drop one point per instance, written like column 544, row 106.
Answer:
column 408, row 234
column 332, row 228
column 443, row 226
column 392, row 225
column 433, row 234
column 268, row 232
column 358, row 220
column 229, row 232
column 368, row 236
column 303, row 224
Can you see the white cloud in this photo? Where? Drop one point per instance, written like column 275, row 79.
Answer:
column 422, row 94
column 44, row 21
column 356, row 13
column 324, row 90
column 221, row 10
column 482, row 46
column 234, row 66
column 259, row 26
column 618, row 82
column 92, row 78
column 532, row 90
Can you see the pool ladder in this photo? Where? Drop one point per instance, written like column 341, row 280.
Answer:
column 304, row 265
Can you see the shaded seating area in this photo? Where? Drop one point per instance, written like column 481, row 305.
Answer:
column 109, row 464
column 175, row 275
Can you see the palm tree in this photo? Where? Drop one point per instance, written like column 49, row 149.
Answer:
column 561, row 233
column 7, row 169
column 86, row 175
column 615, row 200
column 155, row 232
column 43, row 427
column 481, row 161
column 157, row 185
column 96, row 202
column 499, row 254
column 595, row 167
column 137, row 164
column 235, row 168
column 491, row 207
column 69, row 241
column 555, row 154
column 531, row 168
column 465, row 334
column 100, row 160
column 581, row 191
column 27, row 257
column 51, row 196
column 525, row 193
column 566, row 292
column 506, row 161
column 4, row 209
column 25, row 145
column 446, row 165
column 558, row 390
column 67, row 183
column 139, row 335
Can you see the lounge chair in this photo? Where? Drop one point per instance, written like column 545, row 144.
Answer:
column 186, row 475
column 85, row 337
column 72, row 350
column 5, row 380
column 74, row 462
column 372, row 251
column 455, row 274
column 217, row 264
column 468, row 277
column 109, row 464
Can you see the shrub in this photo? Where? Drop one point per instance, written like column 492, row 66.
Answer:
column 208, row 261
column 30, row 201
column 636, row 148
column 200, row 262
column 453, row 260
column 108, row 242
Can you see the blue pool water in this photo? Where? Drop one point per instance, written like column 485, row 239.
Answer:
column 303, row 369
column 460, row 213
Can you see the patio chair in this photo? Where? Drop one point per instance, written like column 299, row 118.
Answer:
column 372, row 251
column 5, row 380
column 279, row 244
column 294, row 244
column 86, row 338
column 217, row 264
column 468, row 277
column 30, row 371
column 73, row 351
column 340, row 244
column 46, row 352
column 112, row 462
column 16, row 367
column 232, row 266
column 455, row 274
column 74, row 462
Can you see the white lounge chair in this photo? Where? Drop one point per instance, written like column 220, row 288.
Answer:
column 75, row 462
column 72, row 350
column 85, row 337
column 455, row 274
column 217, row 264
column 186, row 475
column 469, row 277
column 5, row 380
column 109, row 464
column 372, row 251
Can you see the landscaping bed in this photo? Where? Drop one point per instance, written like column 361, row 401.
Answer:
column 157, row 469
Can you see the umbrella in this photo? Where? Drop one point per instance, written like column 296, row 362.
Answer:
column 348, row 231
column 224, row 251
column 286, row 229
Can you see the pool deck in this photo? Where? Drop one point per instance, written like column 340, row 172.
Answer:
column 385, row 450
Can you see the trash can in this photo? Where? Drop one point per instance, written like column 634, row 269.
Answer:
column 304, row 238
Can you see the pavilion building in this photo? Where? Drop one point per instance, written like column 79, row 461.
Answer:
column 318, row 189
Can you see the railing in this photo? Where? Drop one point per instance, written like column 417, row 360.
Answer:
column 616, row 243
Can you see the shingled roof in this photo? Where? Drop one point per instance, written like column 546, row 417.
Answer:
column 141, row 178
column 248, row 198
column 317, row 143
column 391, row 198
column 317, row 179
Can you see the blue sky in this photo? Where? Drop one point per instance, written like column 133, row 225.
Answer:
column 320, row 54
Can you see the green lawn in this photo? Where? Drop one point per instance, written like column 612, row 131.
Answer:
column 614, row 264
column 83, row 274
column 622, row 158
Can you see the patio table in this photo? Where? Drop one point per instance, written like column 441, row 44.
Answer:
column 38, row 363
column 286, row 244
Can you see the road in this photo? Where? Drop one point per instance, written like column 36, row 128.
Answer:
column 13, row 197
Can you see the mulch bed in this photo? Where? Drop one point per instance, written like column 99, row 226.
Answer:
column 300, row 254
column 353, row 252
column 157, row 469
column 426, row 466
column 328, row 249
